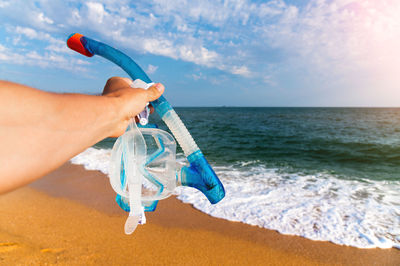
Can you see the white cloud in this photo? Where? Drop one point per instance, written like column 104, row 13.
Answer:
column 96, row 12
column 4, row 4
column 54, row 45
column 32, row 34
column 198, row 55
column 151, row 69
column 8, row 55
column 339, row 36
column 28, row 32
column 268, row 79
column 143, row 28
column 243, row 71
column 324, row 41
column 197, row 76
column 45, row 60
column 158, row 47
column 271, row 8
column 58, row 48
column 44, row 19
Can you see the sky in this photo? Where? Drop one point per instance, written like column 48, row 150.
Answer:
column 214, row 53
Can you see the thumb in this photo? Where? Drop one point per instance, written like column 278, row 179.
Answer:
column 154, row 92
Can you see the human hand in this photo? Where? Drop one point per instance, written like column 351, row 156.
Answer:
column 129, row 101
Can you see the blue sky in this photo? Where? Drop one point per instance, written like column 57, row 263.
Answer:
column 213, row 53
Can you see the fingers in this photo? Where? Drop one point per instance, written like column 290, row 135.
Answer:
column 154, row 92
column 115, row 83
column 128, row 81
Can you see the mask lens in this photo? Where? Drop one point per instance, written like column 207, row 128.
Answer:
column 159, row 170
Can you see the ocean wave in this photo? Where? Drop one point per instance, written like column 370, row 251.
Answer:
column 360, row 213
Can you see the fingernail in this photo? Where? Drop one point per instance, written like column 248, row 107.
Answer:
column 158, row 86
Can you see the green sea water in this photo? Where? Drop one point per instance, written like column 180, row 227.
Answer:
column 352, row 143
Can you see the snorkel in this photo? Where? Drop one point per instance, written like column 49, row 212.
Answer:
column 130, row 149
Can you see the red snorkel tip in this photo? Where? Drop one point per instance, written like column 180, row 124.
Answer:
column 74, row 42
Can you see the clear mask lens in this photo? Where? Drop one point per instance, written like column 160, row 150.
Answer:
column 159, row 169
column 151, row 153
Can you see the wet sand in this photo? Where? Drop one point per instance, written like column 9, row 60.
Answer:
column 70, row 218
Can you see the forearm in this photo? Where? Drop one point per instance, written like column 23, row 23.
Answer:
column 40, row 131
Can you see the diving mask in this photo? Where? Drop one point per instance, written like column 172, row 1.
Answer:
column 143, row 169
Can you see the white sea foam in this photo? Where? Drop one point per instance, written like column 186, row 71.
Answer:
column 364, row 213
column 94, row 159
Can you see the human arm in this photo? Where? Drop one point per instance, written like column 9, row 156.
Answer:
column 39, row 131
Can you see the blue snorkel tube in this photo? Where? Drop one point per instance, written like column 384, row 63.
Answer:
column 199, row 173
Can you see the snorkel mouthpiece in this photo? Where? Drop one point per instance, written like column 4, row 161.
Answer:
column 198, row 174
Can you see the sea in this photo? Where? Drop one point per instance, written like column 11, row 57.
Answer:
column 328, row 174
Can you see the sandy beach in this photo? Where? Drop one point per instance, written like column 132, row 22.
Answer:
column 70, row 218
